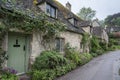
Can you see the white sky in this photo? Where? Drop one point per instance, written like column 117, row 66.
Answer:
column 102, row 7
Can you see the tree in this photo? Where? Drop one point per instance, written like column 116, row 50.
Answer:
column 86, row 13
column 113, row 20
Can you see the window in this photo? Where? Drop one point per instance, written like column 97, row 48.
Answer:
column 75, row 22
column 60, row 44
column 51, row 11
column 81, row 45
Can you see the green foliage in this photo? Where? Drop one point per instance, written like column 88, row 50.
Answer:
column 86, row 13
column 49, row 60
column 9, row 77
column 8, row 74
column 97, row 47
column 27, row 21
column 49, row 65
column 51, row 74
column 3, row 55
column 43, row 74
column 85, row 41
column 76, row 57
column 113, row 20
column 95, row 44
column 85, row 38
column 104, row 46
column 113, row 44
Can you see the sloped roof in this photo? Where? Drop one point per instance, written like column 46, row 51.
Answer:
column 113, row 29
column 85, row 23
column 64, row 14
column 70, row 27
column 97, row 31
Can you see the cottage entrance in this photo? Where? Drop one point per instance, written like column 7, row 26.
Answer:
column 18, row 52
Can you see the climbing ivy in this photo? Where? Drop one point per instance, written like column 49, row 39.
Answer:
column 85, row 41
column 16, row 17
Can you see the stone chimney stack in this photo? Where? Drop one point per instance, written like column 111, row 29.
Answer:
column 68, row 6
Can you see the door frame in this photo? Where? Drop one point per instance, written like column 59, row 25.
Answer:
column 27, row 52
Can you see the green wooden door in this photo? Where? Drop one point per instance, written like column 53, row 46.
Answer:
column 17, row 52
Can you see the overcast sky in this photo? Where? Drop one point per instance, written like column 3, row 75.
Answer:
column 102, row 7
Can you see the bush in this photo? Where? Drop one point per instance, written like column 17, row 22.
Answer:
column 98, row 47
column 113, row 44
column 85, row 58
column 61, row 70
column 51, row 74
column 74, row 57
column 49, row 60
column 88, row 56
column 50, row 64
column 8, row 74
column 77, row 58
column 72, row 54
column 44, row 74
column 104, row 46
column 94, row 54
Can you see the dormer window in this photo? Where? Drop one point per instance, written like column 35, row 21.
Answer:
column 73, row 21
column 51, row 11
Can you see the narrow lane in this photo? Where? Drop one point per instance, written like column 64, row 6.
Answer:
column 104, row 67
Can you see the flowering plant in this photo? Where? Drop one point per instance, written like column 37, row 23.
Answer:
column 8, row 74
column 9, row 70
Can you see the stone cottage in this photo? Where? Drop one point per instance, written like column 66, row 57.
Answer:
column 22, row 48
column 114, row 33
column 99, row 31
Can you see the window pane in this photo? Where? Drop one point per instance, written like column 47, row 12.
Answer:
column 81, row 45
column 57, row 44
column 75, row 22
column 53, row 12
column 48, row 9
column 60, row 44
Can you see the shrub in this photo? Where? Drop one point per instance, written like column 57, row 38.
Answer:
column 77, row 58
column 98, row 47
column 74, row 57
column 94, row 54
column 44, row 74
column 49, row 60
column 104, row 46
column 51, row 74
column 84, row 58
column 61, row 70
column 8, row 74
column 3, row 57
column 88, row 56
column 49, row 65
column 72, row 54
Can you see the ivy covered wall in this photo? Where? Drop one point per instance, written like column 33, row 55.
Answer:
column 28, row 21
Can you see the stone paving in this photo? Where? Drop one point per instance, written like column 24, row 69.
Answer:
column 105, row 67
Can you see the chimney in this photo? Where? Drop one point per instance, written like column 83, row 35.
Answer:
column 68, row 6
